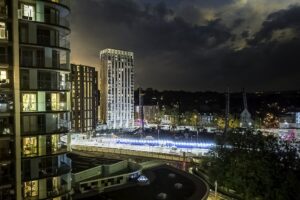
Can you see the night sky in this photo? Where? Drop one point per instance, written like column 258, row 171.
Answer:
column 195, row 45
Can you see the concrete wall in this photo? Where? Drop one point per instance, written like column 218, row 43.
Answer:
column 111, row 169
column 80, row 176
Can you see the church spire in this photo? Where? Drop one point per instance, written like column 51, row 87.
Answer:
column 245, row 99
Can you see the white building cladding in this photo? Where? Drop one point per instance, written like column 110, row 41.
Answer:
column 117, row 88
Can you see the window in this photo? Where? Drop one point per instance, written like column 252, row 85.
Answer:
column 40, row 62
column 30, row 146
column 23, row 33
column 31, row 189
column 28, row 12
column 29, row 102
column 3, row 55
column 24, row 79
column 55, row 58
column 27, row 58
column 2, row 30
column 33, row 124
column 51, row 15
column 43, row 36
column 55, row 143
column 3, row 75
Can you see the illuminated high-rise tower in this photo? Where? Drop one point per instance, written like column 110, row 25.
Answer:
column 34, row 99
column 117, row 88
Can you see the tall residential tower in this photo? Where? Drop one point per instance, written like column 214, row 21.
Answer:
column 34, row 99
column 117, row 88
column 85, row 98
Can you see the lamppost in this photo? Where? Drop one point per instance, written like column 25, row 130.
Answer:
column 197, row 130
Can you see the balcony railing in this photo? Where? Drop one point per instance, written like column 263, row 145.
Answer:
column 60, row 85
column 54, row 171
column 44, row 18
column 60, row 126
column 33, row 151
column 27, row 61
column 43, row 107
column 53, row 193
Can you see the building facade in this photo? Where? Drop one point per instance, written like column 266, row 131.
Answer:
column 151, row 113
column 117, row 88
column 85, row 99
column 35, row 100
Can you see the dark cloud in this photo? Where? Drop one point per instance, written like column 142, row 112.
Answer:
column 287, row 18
column 173, row 51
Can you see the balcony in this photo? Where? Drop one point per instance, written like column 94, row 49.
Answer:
column 54, row 85
column 28, row 62
column 54, row 171
column 43, row 107
column 63, row 2
column 46, row 18
column 52, row 125
column 45, row 40
column 53, row 20
column 55, row 192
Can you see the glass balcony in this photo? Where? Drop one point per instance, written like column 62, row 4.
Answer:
column 53, row 20
column 39, row 189
column 45, row 124
column 42, row 17
column 41, row 107
column 52, row 85
column 63, row 2
column 27, row 61
column 54, row 171
column 41, row 145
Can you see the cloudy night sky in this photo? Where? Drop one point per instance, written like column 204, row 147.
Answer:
column 195, row 45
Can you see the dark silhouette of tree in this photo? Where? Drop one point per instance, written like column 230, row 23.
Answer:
column 256, row 166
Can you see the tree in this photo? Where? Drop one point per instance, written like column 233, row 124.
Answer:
column 256, row 166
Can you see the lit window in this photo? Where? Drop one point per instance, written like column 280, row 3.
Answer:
column 2, row 30
column 31, row 189
column 3, row 76
column 28, row 12
column 55, row 143
column 29, row 102
column 30, row 146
